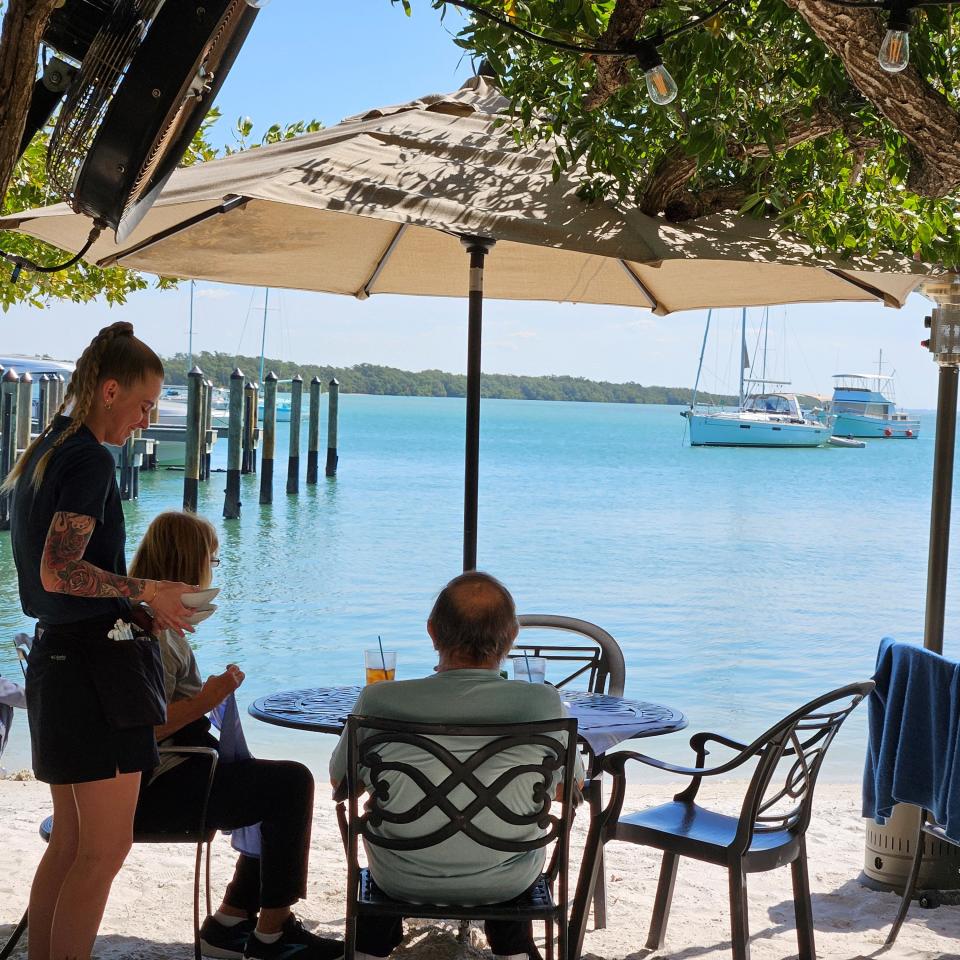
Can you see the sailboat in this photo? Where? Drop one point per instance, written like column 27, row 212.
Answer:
column 765, row 416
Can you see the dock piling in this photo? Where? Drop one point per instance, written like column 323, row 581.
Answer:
column 231, row 502
column 24, row 411
column 194, row 439
column 247, row 463
column 205, row 447
column 296, row 409
column 128, row 485
column 333, row 405
column 269, row 437
column 313, row 432
column 47, row 385
column 9, row 385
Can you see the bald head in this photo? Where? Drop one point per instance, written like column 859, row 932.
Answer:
column 474, row 619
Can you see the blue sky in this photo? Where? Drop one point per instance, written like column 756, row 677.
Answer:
column 306, row 60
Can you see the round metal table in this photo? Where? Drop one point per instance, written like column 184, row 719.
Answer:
column 325, row 710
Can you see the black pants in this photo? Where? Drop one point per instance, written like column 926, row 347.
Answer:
column 278, row 794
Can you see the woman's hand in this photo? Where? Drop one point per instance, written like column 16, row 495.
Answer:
column 169, row 612
column 217, row 688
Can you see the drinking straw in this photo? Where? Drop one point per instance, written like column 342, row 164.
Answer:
column 527, row 661
column 383, row 659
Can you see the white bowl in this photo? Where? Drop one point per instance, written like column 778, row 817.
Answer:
column 200, row 598
column 200, row 615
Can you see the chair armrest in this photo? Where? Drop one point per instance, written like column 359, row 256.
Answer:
column 614, row 764
column 699, row 740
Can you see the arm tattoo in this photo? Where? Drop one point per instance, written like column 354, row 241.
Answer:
column 67, row 539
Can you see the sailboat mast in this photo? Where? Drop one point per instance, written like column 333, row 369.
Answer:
column 263, row 330
column 743, row 350
column 703, row 347
column 766, row 333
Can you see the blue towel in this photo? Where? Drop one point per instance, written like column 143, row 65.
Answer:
column 914, row 735
column 233, row 746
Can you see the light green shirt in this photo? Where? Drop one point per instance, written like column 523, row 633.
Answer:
column 458, row 870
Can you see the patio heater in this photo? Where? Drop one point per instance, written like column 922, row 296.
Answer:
column 889, row 849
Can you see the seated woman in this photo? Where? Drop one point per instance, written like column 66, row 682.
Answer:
column 254, row 920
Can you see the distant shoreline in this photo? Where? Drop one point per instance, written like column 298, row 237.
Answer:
column 375, row 380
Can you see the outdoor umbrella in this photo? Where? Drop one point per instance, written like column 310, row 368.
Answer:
column 388, row 201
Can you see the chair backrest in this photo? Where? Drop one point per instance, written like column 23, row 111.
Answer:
column 600, row 664
column 465, row 792
column 791, row 754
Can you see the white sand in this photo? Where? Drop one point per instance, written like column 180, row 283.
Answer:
column 148, row 915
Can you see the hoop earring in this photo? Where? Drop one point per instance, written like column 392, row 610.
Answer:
column 109, row 405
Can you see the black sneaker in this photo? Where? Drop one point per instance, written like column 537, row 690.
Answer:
column 295, row 943
column 219, row 940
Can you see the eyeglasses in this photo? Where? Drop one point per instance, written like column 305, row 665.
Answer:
column 214, row 561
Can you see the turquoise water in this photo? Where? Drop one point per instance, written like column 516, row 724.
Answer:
column 739, row 582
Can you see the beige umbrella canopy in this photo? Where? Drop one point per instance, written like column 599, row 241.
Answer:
column 377, row 204
column 388, row 202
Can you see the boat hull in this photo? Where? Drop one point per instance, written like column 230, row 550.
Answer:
column 720, row 431
column 854, row 425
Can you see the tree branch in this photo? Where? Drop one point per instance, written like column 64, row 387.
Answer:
column 667, row 188
column 626, row 22
column 909, row 103
column 23, row 24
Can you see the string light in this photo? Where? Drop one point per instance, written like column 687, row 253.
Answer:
column 661, row 86
column 893, row 55
column 894, row 52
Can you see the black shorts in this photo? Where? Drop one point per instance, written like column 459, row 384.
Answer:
column 71, row 739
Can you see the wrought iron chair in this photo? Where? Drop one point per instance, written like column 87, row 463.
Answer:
column 768, row 833
column 928, row 831
column 601, row 665
column 368, row 761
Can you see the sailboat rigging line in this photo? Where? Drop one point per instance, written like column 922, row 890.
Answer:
column 703, row 346
column 243, row 330
column 263, row 331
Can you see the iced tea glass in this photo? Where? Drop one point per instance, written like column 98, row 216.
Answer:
column 380, row 665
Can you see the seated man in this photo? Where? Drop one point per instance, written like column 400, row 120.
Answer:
column 473, row 625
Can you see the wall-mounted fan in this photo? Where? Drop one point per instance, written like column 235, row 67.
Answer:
column 138, row 78
column 142, row 91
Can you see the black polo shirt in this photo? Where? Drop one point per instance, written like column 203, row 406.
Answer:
column 80, row 478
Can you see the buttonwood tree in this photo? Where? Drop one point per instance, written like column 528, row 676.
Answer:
column 783, row 111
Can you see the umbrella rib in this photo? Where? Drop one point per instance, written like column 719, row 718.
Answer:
column 364, row 292
column 229, row 203
column 864, row 286
column 641, row 286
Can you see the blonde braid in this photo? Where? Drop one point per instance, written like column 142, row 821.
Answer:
column 81, row 390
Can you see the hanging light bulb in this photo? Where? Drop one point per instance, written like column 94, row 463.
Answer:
column 661, row 87
column 894, row 52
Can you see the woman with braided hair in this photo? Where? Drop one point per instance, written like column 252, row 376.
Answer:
column 95, row 681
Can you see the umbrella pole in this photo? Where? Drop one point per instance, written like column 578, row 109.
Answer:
column 478, row 248
column 943, row 457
